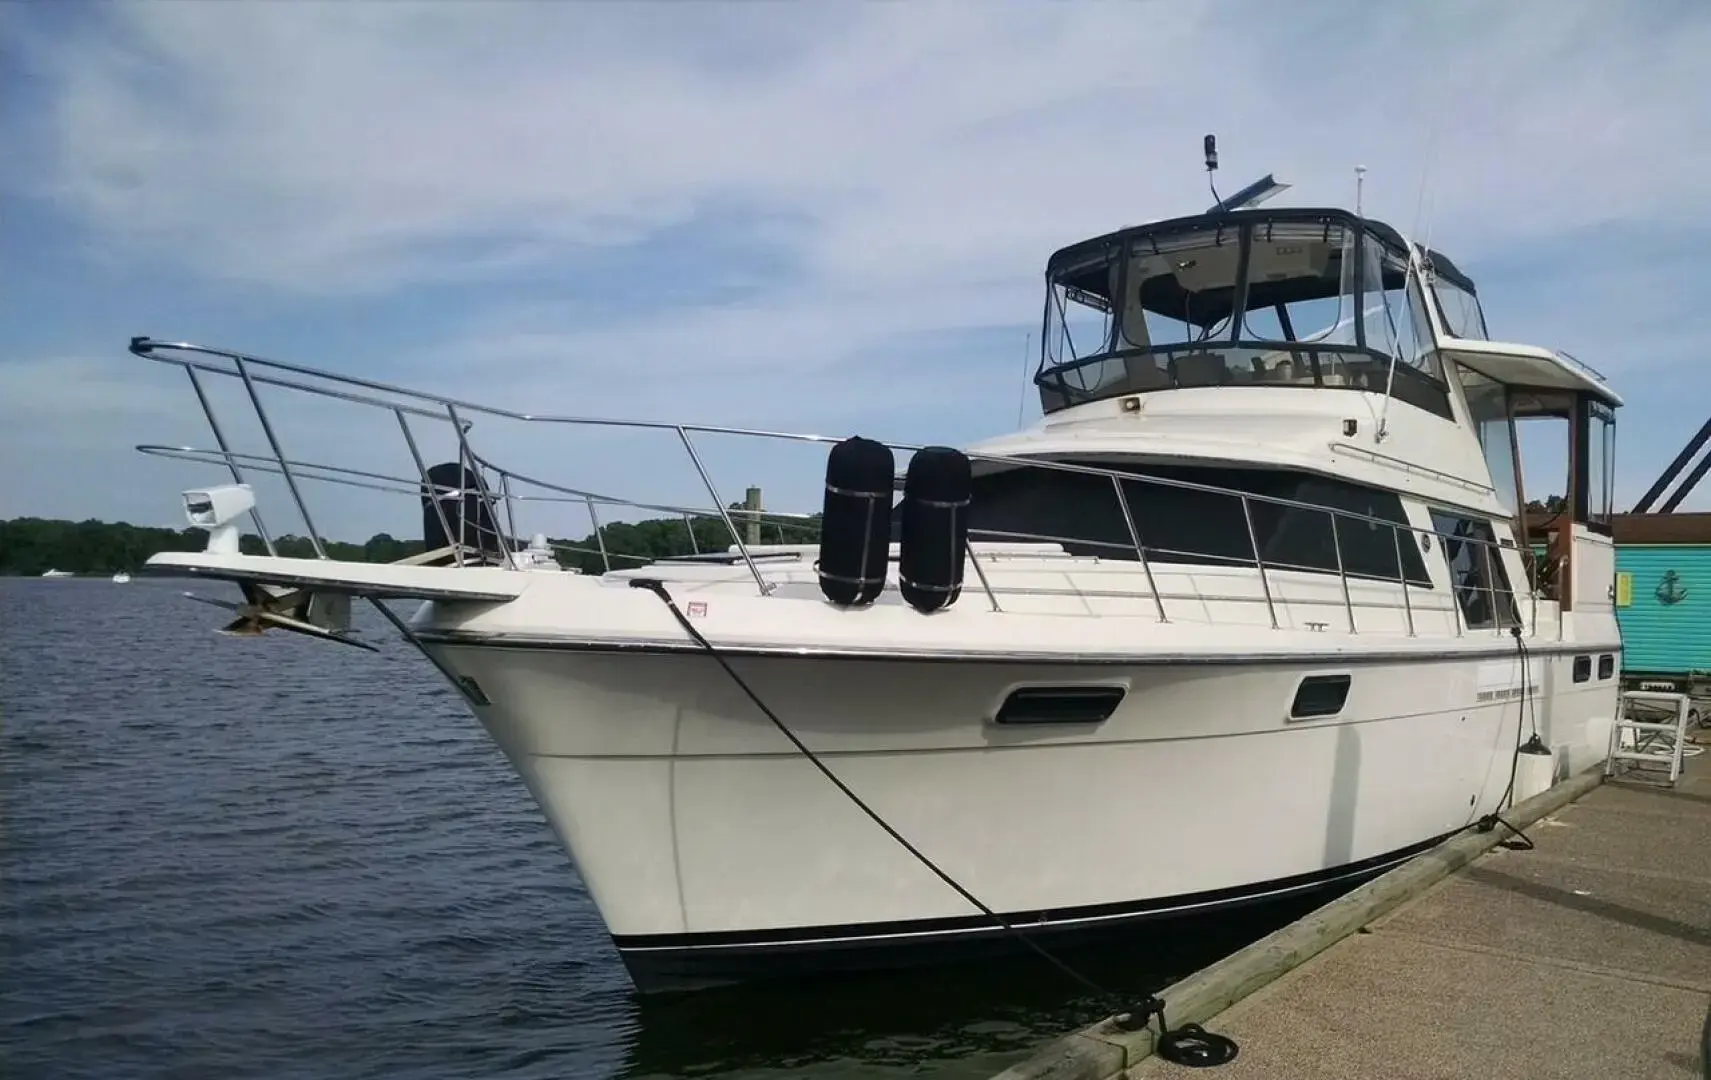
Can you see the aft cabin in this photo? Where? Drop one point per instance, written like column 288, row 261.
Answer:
column 1263, row 325
column 1509, row 389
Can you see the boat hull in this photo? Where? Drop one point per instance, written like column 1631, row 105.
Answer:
column 717, row 852
column 693, row 962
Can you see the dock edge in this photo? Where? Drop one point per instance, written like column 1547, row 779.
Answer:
column 1105, row 1049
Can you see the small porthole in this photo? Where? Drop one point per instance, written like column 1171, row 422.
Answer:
column 1060, row 705
column 1320, row 695
column 1582, row 668
column 1606, row 665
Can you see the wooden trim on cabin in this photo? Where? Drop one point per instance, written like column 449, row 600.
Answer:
column 1634, row 528
column 1561, row 546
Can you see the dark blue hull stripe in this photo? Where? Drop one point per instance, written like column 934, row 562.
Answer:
column 1058, row 919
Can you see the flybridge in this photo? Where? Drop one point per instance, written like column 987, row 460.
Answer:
column 1239, row 296
column 1298, row 297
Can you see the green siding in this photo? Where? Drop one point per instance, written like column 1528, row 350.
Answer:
column 1666, row 638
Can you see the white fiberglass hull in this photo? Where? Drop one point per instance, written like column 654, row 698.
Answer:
column 715, row 851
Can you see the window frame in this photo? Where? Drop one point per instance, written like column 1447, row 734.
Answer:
column 1170, row 516
column 1494, row 587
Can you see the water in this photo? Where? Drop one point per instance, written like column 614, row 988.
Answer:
column 280, row 857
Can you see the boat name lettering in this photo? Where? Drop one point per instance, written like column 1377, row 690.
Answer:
column 1505, row 694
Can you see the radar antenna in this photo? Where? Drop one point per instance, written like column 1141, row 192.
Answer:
column 1255, row 193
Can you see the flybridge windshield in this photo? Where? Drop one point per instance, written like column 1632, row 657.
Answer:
column 1309, row 300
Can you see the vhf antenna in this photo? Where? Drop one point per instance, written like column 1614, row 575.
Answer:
column 1210, row 145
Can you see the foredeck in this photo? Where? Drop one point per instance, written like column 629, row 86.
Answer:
column 1244, row 587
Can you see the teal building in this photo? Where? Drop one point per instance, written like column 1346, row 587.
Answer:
column 1663, row 603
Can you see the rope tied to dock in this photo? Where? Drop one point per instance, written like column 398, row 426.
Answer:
column 1521, row 841
column 1190, row 1045
column 658, row 589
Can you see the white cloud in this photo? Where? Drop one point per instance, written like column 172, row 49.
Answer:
column 322, row 146
column 909, row 166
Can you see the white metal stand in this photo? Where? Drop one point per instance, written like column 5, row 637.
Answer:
column 1635, row 740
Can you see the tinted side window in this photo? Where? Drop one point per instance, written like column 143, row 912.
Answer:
column 1476, row 569
column 1190, row 526
column 1302, row 538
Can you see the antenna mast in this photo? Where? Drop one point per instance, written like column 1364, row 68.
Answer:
column 1210, row 145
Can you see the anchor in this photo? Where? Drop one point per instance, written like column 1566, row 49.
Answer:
column 1670, row 590
column 320, row 615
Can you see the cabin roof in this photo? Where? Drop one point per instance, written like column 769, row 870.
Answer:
column 1081, row 250
column 1528, row 366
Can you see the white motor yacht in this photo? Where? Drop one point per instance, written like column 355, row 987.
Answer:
column 1249, row 611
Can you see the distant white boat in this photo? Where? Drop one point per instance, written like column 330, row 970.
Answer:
column 121, row 578
column 57, row 573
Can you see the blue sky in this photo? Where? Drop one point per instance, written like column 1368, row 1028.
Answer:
column 816, row 217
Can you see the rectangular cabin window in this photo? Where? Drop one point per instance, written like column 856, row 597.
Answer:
column 1301, row 293
column 1582, row 668
column 1204, row 527
column 1596, row 483
column 1606, row 666
column 1079, row 324
column 1488, row 409
column 1459, row 310
column 1469, row 547
column 1396, row 326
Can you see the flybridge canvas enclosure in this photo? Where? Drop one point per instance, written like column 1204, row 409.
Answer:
column 1314, row 298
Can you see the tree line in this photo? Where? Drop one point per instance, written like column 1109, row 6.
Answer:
column 31, row 546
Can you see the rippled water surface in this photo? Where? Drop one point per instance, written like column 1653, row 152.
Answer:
column 277, row 857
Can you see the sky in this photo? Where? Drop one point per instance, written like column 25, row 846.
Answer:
column 828, row 218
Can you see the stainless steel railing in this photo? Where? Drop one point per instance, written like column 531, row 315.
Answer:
column 496, row 485
column 346, row 476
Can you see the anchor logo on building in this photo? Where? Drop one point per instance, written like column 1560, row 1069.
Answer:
column 1670, row 589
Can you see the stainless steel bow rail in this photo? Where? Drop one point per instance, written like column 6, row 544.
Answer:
column 501, row 489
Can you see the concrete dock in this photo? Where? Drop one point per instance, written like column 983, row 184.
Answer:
column 1588, row 956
